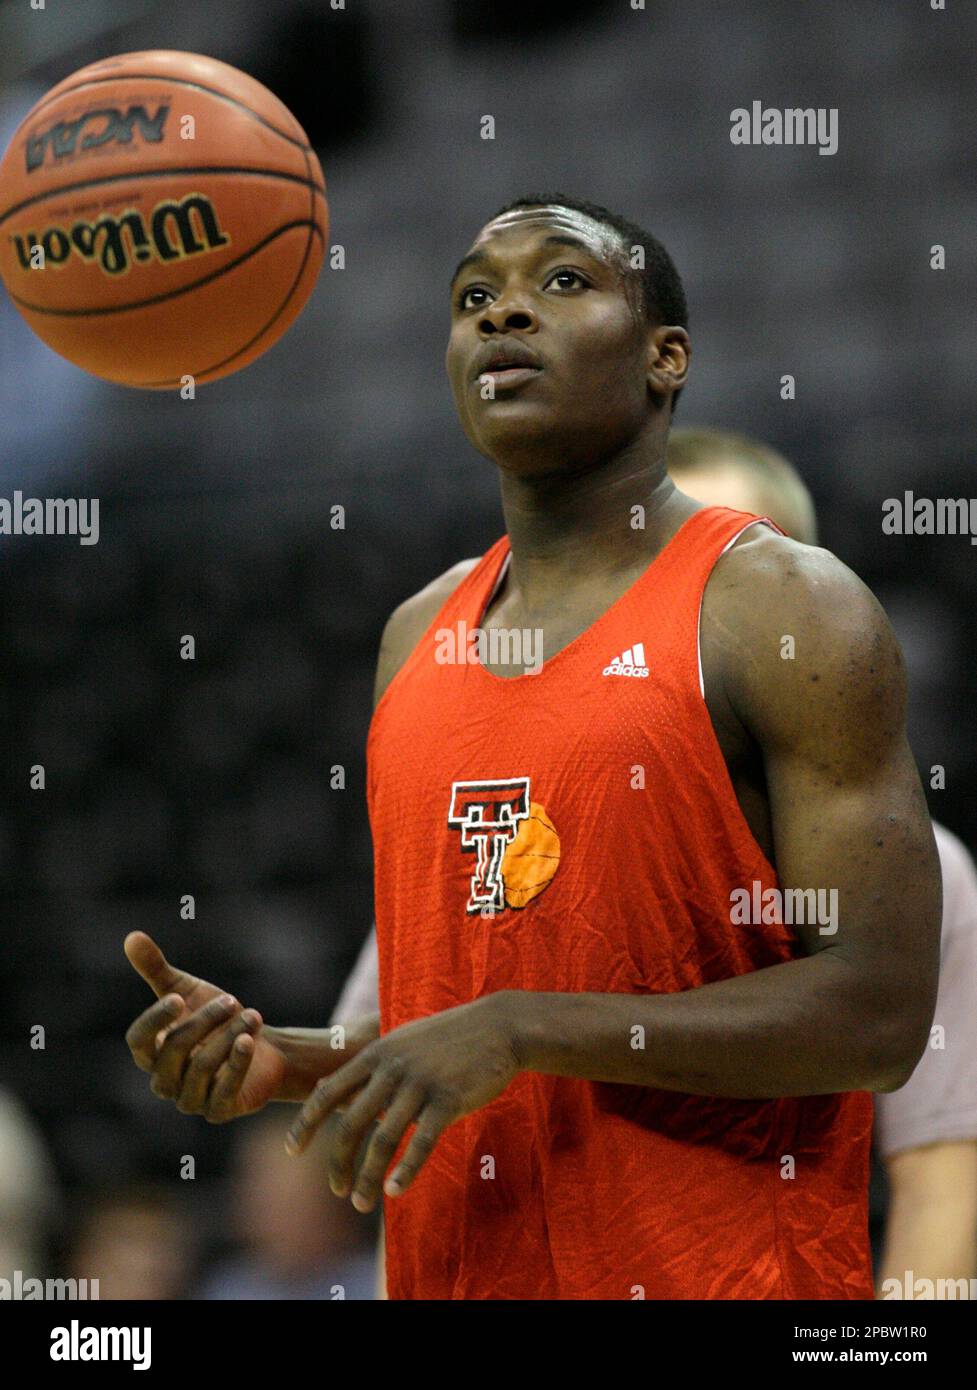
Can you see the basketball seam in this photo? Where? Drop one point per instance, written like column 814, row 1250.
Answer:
column 176, row 81
column 198, row 169
column 173, row 294
column 216, row 366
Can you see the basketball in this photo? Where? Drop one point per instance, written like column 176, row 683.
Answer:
column 532, row 859
column 162, row 216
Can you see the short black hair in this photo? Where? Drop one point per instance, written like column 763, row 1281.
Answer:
column 662, row 293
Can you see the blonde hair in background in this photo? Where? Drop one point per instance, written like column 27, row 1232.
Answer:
column 727, row 469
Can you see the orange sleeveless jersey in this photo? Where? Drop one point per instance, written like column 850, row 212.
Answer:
column 516, row 848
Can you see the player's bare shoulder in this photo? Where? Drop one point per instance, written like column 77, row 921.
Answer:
column 410, row 620
column 785, row 623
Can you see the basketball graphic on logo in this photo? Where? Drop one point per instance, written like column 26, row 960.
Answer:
column 532, row 859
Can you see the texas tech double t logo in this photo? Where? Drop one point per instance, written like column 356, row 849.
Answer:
column 488, row 815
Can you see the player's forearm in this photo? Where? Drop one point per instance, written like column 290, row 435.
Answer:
column 311, row 1053
column 801, row 1028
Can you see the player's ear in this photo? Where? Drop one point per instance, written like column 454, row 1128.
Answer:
column 669, row 354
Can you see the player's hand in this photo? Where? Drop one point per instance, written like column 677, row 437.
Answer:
column 202, row 1049
column 428, row 1073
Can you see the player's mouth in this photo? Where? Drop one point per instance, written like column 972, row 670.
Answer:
column 507, row 367
column 503, row 377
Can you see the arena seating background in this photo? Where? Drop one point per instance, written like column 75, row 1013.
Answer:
column 211, row 777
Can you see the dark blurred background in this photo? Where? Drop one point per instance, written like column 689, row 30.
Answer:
column 212, row 777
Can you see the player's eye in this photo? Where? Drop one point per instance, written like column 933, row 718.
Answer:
column 565, row 273
column 462, row 299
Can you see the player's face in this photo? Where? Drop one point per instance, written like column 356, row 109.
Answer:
column 550, row 288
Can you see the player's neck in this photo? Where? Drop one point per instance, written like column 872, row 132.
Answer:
column 568, row 532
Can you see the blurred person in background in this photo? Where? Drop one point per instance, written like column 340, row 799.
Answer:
column 295, row 1240
column 135, row 1242
column 926, row 1132
column 29, row 1196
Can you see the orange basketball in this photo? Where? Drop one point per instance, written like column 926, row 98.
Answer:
column 531, row 858
column 162, row 215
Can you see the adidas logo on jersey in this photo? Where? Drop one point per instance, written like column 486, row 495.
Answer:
column 629, row 663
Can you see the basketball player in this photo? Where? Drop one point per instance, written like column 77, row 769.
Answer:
column 926, row 1132
column 610, row 1065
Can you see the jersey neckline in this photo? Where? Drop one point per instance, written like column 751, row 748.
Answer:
column 582, row 638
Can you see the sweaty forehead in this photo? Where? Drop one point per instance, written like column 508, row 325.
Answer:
column 602, row 242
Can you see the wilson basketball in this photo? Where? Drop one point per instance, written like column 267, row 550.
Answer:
column 162, row 215
column 531, row 859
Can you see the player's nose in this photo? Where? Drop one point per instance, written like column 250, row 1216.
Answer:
column 508, row 312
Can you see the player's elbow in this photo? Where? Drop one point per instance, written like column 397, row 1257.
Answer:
column 888, row 1009
column 900, row 1042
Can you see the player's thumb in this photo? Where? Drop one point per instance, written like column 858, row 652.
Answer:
column 148, row 960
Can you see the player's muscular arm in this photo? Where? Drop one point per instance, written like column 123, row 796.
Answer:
column 847, row 813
